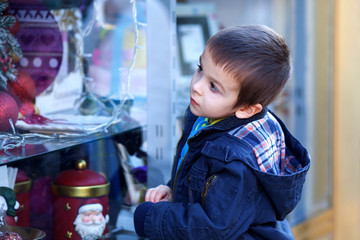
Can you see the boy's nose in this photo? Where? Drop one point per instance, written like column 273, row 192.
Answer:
column 196, row 86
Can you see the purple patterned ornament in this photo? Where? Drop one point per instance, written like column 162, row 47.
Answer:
column 10, row 236
column 40, row 40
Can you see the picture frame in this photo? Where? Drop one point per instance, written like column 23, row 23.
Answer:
column 193, row 32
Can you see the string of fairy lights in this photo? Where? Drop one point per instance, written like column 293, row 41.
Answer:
column 13, row 139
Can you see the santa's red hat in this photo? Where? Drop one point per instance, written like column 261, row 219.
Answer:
column 92, row 204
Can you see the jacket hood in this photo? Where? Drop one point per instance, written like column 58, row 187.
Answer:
column 283, row 189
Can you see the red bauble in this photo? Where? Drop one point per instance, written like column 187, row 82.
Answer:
column 8, row 110
column 27, row 109
column 23, row 88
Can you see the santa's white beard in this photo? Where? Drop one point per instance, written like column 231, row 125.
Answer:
column 95, row 229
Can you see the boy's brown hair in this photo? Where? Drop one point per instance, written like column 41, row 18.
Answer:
column 257, row 57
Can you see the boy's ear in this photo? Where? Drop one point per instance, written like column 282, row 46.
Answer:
column 249, row 111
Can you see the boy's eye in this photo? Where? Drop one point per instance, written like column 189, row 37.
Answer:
column 199, row 68
column 213, row 87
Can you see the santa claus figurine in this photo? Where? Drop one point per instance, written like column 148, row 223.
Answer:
column 80, row 204
column 90, row 222
column 3, row 209
column 8, row 206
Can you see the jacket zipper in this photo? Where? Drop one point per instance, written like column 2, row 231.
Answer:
column 208, row 184
column 182, row 162
column 177, row 172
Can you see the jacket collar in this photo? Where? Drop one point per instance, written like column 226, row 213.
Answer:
column 233, row 121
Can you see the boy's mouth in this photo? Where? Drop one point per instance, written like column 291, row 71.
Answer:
column 193, row 102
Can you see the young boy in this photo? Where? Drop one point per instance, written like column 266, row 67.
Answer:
column 238, row 172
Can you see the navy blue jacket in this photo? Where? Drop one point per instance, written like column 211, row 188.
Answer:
column 220, row 192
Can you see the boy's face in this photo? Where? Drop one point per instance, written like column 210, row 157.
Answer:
column 213, row 92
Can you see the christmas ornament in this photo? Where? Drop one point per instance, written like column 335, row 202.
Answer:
column 17, row 233
column 8, row 110
column 40, row 40
column 15, row 58
column 79, row 195
column 8, row 46
column 10, row 205
column 90, row 222
column 23, row 88
column 26, row 109
column 3, row 209
column 10, row 236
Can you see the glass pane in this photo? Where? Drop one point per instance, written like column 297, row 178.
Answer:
column 80, row 93
column 84, row 63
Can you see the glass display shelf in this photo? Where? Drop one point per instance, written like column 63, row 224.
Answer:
column 34, row 145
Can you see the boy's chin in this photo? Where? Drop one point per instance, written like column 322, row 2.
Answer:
column 196, row 113
column 193, row 110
